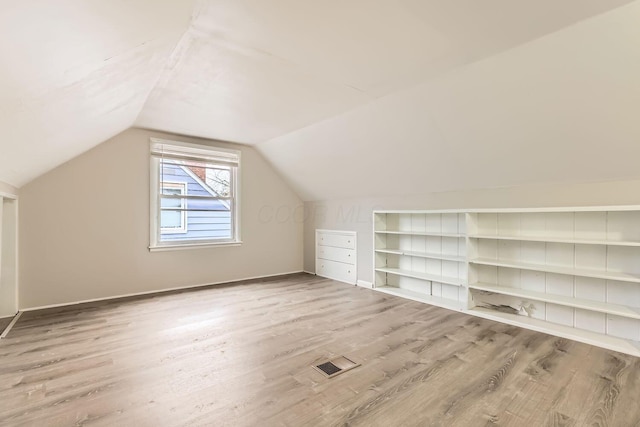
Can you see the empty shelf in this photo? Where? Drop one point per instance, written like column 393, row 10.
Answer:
column 585, row 304
column 584, row 272
column 420, row 297
column 423, row 276
column 420, row 233
column 550, row 239
column 588, row 337
column 430, row 255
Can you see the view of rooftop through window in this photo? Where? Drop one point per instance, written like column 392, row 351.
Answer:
column 194, row 194
column 195, row 201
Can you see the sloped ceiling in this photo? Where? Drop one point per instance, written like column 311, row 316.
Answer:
column 251, row 70
column 563, row 108
column 73, row 73
column 310, row 82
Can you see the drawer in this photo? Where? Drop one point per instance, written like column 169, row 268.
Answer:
column 332, row 253
column 336, row 270
column 337, row 240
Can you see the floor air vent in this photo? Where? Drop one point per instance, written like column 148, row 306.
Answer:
column 335, row 366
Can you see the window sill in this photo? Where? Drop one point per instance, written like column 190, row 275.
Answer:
column 179, row 247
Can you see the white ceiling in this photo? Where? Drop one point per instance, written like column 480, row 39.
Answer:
column 251, row 70
column 73, row 73
column 563, row 108
column 76, row 72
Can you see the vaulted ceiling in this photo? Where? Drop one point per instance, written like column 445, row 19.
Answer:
column 309, row 82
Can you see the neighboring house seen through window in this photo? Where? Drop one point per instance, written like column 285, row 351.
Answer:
column 173, row 221
column 194, row 195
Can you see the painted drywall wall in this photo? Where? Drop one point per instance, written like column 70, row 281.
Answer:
column 8, row 256
column 8, row 249
column 563, row 108
column 356, row 214
column 84, row 228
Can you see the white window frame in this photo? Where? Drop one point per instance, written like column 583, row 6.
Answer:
column 154, row 201
column 182, row 186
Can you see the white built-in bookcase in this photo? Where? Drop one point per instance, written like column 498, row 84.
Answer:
column 571, row 272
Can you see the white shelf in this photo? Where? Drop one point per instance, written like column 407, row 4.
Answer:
column 420, row 233
column 423, row 276
column 602, row 307
column 583, row 272
column 420, row 297
column 433, row 255
column 550, row 239
column 593, row 338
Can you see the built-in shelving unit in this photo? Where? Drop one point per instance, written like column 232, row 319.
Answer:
column 572, row 272
column 421, row 255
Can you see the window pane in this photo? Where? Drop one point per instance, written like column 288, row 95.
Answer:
column 171, row 203
column 219, row 180
column 202, row 225
column 201, row 215
column 213, row 179
column 171, row 219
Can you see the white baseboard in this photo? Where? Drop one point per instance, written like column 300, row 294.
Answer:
column 308, row 272
column 10, row 325
column 365, row 284
column 158, row 291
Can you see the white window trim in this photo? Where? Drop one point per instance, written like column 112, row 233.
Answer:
column 154, row 206
column 183, row 215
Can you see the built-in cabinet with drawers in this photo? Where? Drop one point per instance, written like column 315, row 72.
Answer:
column 336, row 255
column 571, row 272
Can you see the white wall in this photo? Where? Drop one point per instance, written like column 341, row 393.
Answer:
column 356, row 214
column 8, row 256
column 8, row 249
column 84, row 228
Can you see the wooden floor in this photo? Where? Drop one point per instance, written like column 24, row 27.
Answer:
column 241, row 355
column 4, row 322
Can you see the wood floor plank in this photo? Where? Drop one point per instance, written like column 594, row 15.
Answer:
column 4, row 322
column 241, row 355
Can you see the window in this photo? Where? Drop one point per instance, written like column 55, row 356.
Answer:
column 194, row 195
column 173, row 221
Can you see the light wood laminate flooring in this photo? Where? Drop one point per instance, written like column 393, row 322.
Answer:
column 240, row 355
column 4, row 322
